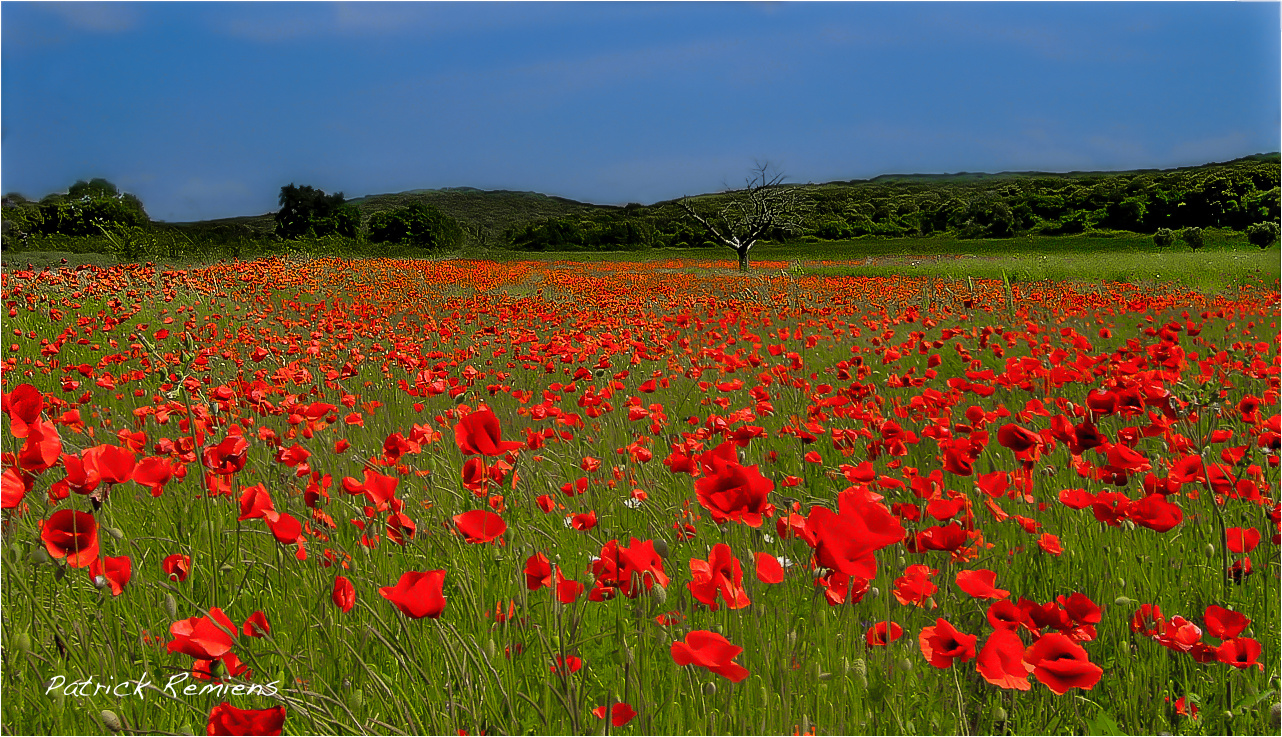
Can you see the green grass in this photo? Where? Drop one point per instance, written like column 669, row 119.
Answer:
column 373, row 670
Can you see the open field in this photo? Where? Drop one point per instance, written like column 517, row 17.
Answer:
column 868, row 488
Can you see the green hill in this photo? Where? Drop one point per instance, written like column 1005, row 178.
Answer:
column 1233, row 195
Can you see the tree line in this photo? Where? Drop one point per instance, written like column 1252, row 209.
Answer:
column 1242, row 195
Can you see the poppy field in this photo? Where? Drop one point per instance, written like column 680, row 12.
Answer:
column 382, row 496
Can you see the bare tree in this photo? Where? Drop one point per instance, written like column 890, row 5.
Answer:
column 763, row 206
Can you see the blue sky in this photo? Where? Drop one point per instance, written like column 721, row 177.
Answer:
column 205, row 109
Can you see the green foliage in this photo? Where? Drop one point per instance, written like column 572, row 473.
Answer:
column 308, row 211
column 1263, row 234
column 608, row 230
column 1192, row 237
column 416, row 224
column 1164, row 237
column 83, row 211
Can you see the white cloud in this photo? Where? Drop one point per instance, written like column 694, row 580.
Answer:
column 96, row 17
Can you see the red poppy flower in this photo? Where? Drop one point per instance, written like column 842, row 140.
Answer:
column 228, row 666
column 1242, row 539
column 846, row 540
column 1062, row 664
column 14, row 486
column 23, row 405
column 620, row 714
column 255, row 503
column 285, row 527
column 1001, row 661
column 110, row 463
column 720, row 573
column 115, row 572
column 256, row 625
column 1050, row 544
column 712, row 651
column 177, row 567
column 418, row 594
column 568, row 590
column 480, row 526
column 203, row 638
column 344, row 596
column 226, row 719
column 476, row 475
column 153, row 472
column 227, row 457
column 915, row 586
column 1240, row 652
column 733, row 492
column 769, row 569
column 1005, row 615
column 1225, row 623
column 1148, row 620
column 1155, row 513
column 942, row 644
column 538, row 572
column 1026, row 444
column 979, row 584
column 42, row 448
column 948, row 538
column 883, row 633
column 571, row 664
column 72, row 535
column 622, row 568
column 478, row 433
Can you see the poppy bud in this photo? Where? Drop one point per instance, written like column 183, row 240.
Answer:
column 709, row 689
column 356, row 698
column 491, row 650
column 874, row 592
column 805, row 724
column 23, row 642
column 905, row 664
column 1122, row 601
column 226, row 567
column 1275, row 716
column 117, row 533
column 999, row 715
column 1210, row 550
column 39, row 556
column 100, row 582
column 1121, row 583
column 659, row 593
column 171, row 606
column 860, row 669
column 900, row 562
column 111, row 721
column 661, row 547
column 792, row 640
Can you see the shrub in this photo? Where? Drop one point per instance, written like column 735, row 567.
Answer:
column 1163, row 237
column 1263, row 234
column 415, row 224
column 1192, row 237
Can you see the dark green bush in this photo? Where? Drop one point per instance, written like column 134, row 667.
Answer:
column 1193, row 238
column 416, row 224
column 1263, row 234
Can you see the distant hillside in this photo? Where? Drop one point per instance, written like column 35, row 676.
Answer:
column 486, row 214
column 1236, row 195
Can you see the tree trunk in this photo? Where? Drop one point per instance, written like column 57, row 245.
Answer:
column 743, row 259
